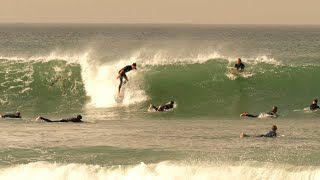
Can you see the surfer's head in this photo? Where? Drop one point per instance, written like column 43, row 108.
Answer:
column 134, row 66
column 239, row 60
column 171, row 102
column 315, row 101
column 274, row 109
column 18, row 113
column 274, row 128
column 79, row 117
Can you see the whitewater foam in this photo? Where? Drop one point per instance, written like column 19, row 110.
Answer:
column 162, row 170
column 101, row 83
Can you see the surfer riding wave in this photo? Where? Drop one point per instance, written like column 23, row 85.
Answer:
column 122, row 74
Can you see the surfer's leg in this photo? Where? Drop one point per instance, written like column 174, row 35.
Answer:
column 126, row 79
column 45, row 119
column 242, row 135
column 248, row 115
column 152, row 107
column 121, row 79
column 160, row 108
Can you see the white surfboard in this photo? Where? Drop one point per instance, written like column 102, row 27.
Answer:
column 235, row 72
column 120, row 96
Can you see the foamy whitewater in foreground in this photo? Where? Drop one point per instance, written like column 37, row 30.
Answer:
column 163, row 170
column 58, row 71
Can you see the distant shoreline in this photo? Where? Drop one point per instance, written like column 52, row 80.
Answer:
column 160, row 24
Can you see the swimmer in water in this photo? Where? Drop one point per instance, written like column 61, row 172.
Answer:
column 162, row 108
column 72, row 119
column 15, row 115
column 239, row 66
column 271, row 133
column 272, row 113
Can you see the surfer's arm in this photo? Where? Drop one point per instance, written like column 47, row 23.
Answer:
column 273, row 114
column 269, row 134
column 120, row 73
column 248, row 115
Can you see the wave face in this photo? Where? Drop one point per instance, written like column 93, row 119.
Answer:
column 42, row 85
column 198, row 85
column 75, row 68
column 162, row 170
column 209, row 89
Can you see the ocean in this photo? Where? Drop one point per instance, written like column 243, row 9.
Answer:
column 62, row 70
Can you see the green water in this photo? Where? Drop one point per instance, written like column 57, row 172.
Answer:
column 59, row 71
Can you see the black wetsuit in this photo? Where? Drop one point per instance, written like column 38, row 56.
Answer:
column 269, row 134
column 314, row 107
column 163, row 107
column 250, row 115
column 74, row 119
column 269, row 113
column 239, row 66
column 123, row 74
column 11, row 116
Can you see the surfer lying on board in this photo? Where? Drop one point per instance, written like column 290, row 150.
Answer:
column 239, row 66
column 122, row 74
column 272, row 113
column 73, row 119
column 271, row 133
column 15, row 115
column 314, row 105
column 162, row 108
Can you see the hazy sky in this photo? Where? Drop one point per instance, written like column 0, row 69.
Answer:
column 162, row 11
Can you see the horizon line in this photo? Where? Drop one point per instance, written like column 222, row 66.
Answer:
column 149, row 23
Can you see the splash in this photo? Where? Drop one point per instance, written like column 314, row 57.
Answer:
column 101, row 83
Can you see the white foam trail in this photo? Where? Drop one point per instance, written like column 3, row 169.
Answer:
column 159, row 171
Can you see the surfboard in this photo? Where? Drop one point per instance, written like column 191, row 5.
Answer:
column 120, row 96
column 151, row 109
column 265, row 115
column 234, row 71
